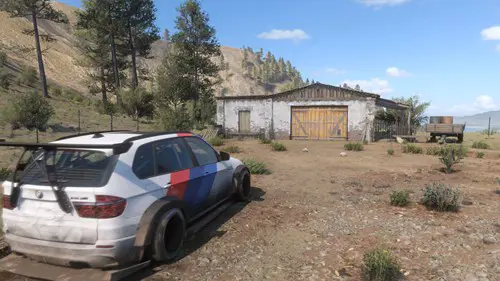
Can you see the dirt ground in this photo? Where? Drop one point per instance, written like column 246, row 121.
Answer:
column 316, row 215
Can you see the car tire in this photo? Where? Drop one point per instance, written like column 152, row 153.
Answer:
column 243, row 186
column 169, row 236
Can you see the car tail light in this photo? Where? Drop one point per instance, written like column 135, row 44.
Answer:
column 105, row 207
column 6, row 202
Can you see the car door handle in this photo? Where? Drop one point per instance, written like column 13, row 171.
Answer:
column 167, row 185
column 206, row 173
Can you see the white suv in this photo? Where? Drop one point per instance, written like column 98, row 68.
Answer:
column 114, row 198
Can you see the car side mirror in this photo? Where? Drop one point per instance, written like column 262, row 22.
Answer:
column 224, row 156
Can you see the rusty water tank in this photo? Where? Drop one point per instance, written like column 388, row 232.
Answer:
column 446, row 120
column 435, row 119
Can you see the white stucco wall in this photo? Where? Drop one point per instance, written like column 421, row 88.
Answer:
column 263, row 111
column 260, row 114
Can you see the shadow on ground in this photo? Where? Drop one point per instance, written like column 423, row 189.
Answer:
column 206, row 234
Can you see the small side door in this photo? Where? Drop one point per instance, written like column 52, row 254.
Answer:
column 215, row 177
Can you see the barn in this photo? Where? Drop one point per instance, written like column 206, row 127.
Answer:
column 314, row 112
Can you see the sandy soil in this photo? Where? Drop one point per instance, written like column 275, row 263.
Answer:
column 316, row 215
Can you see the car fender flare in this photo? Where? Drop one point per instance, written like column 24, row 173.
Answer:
column 237, row 175
column 149, row 220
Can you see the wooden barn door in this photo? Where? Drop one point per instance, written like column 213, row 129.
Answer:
column 319, row 122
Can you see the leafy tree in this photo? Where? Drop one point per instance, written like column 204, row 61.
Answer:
column 36, row 9
column 196, row 46
column 137, row 103
column 357, row 87
column 34, row 112
column 138, row 16
column 170, row 98
column 10, row 115
column 415, row 108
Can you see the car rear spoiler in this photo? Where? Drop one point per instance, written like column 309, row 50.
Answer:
column 117, row 148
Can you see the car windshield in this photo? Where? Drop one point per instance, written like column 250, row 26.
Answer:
column 76, row 168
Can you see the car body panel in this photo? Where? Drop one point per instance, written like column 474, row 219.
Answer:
column 41, row 221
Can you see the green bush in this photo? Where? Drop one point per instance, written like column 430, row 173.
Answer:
column 256, row 167
column 216, row 141
column 480, row 145
column 390, row 151
column 56, row 91
column 264, row 140
column 365, row 142
column 28, row 76
column 400, row 198
column 411, row 148
column 442, row 198
column 4, row 78
column 277, row 146
column 380, row 265
column 4, row 173
column 232, row 149
column 354, row 146
column 3, row 58
column 480, row 155
column 451, row 155
column 433, row 150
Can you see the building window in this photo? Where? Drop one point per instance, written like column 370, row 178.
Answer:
column 244, row 121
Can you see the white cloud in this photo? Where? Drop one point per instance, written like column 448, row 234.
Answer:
column 481, row 103
column 284, row 34
column 498, row 48
column 374, row 85
column 491, row 33
column 379, row 3
column 396, row 72
column 335, row 71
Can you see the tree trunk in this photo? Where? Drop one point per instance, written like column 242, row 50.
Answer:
column 103, row 87
column 41, row 68
column 115, row 63
column 36, row 135
column 135, row 81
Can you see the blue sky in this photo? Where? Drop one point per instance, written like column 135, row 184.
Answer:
column 445, row 51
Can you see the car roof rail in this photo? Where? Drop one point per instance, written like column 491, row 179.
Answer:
column 91, row 133
column 144, row 135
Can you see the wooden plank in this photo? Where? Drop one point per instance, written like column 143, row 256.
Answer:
column 319, row 122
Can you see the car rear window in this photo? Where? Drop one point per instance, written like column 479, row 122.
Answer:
column 76, row 168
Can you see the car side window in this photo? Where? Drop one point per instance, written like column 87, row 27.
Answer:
column 203, row 152
column 171, row 155
column 144, row 164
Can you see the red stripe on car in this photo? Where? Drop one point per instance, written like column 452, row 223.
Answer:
column 178, row 183
column 184, row 135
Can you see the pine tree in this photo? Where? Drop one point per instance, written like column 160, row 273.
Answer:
column 196, row 46
column 102, row 17
column 35, row 9
column 307, row 81
column 138, row 16
column 357, row 87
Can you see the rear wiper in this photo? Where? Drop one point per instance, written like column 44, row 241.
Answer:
column 50, row 177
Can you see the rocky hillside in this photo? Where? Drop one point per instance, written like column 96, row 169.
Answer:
column 61, row 56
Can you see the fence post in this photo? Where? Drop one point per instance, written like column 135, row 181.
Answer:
column 79, row 127
column 489, row 126
column 111, row 121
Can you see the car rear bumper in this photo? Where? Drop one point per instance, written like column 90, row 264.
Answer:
column 117, row 252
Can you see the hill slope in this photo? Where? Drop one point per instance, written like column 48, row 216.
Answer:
column 61, row 55
column 480, row 120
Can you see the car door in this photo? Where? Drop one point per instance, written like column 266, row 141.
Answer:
column 164, row 167
column 213, row 176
